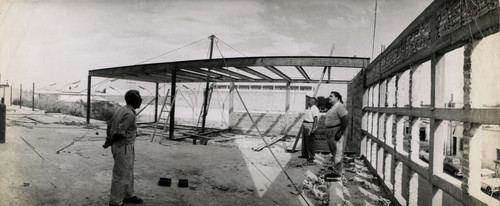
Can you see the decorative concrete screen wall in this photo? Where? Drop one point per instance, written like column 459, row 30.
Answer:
column 431, row 98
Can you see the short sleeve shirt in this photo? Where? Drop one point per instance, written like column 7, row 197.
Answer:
column 123, row 122
column 311, row 112
column 335, row 114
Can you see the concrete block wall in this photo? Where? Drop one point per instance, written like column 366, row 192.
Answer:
column 392, row 86
column 354, row 105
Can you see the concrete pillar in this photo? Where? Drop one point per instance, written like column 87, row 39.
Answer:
column 413, row 189
column 374, row 151
column 363, row 146
column 399, row 134
column 437, row 196
column 472, row 158
column 436, row 144
column 365, row 97
column 388, row 174
column 381, row 127
column 369, row 149
column 375, row 125
column 380, row 162
column 398, row 183
column 410, row 86
column 364, row 121
column 370, row 122
column 389, row 121
column 405, row 190
column 414, row 138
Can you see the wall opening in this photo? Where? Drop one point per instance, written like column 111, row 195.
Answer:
column 403, row 89
column 486, row 47
column 400, row 134
column 420, row 87
column 420, row 140
column 450, row 80
column 391, row 92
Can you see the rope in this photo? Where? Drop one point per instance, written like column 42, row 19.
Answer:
column 219, row 101
column 231, row 46
column 171, row 51
column 74, row 140
column 33, row 148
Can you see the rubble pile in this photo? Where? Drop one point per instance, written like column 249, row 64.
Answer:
column 316, row 188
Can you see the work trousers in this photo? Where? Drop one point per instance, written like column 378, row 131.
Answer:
column 336, row 147
column 122, row 185
column 307, row 140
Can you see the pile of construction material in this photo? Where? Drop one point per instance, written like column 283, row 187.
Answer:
column 316, row 189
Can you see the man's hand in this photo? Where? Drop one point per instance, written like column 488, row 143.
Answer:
column 311, row 133
column 111, row 141
column 338, row 135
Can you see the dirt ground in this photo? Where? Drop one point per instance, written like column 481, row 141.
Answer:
column 226, row 171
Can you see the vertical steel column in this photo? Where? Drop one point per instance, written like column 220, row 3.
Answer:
column 287, row 101
column 156, row 102
column 20, row 96
column 231, row 102
column 172, row 107
column 89, row 84
column 205, row 101
column 3, row 116
column 33, row 95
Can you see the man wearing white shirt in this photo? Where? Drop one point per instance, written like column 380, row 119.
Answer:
column 308, row 127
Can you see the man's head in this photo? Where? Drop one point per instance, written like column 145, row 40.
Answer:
column 334, row 97
column 133, row 98
column 311, row 102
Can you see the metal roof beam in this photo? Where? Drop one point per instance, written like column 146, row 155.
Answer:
column 231, row 73
column 301, row 70
column 212, row 75
column 278, row 72
column 253, row 72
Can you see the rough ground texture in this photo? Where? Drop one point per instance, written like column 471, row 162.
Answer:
column 224, row 172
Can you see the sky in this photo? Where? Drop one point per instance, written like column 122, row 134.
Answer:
column 58, row 42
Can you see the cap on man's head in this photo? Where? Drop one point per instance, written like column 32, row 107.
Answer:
column 132, row 95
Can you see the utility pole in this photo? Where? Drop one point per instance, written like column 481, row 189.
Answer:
column 33, row 102
column 21, row 96
column 205, row 101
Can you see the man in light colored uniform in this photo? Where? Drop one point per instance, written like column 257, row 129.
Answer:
column 123, row 132
column 308, row 127
column 336, row 123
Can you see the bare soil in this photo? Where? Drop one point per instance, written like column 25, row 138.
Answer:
column 224, row 172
